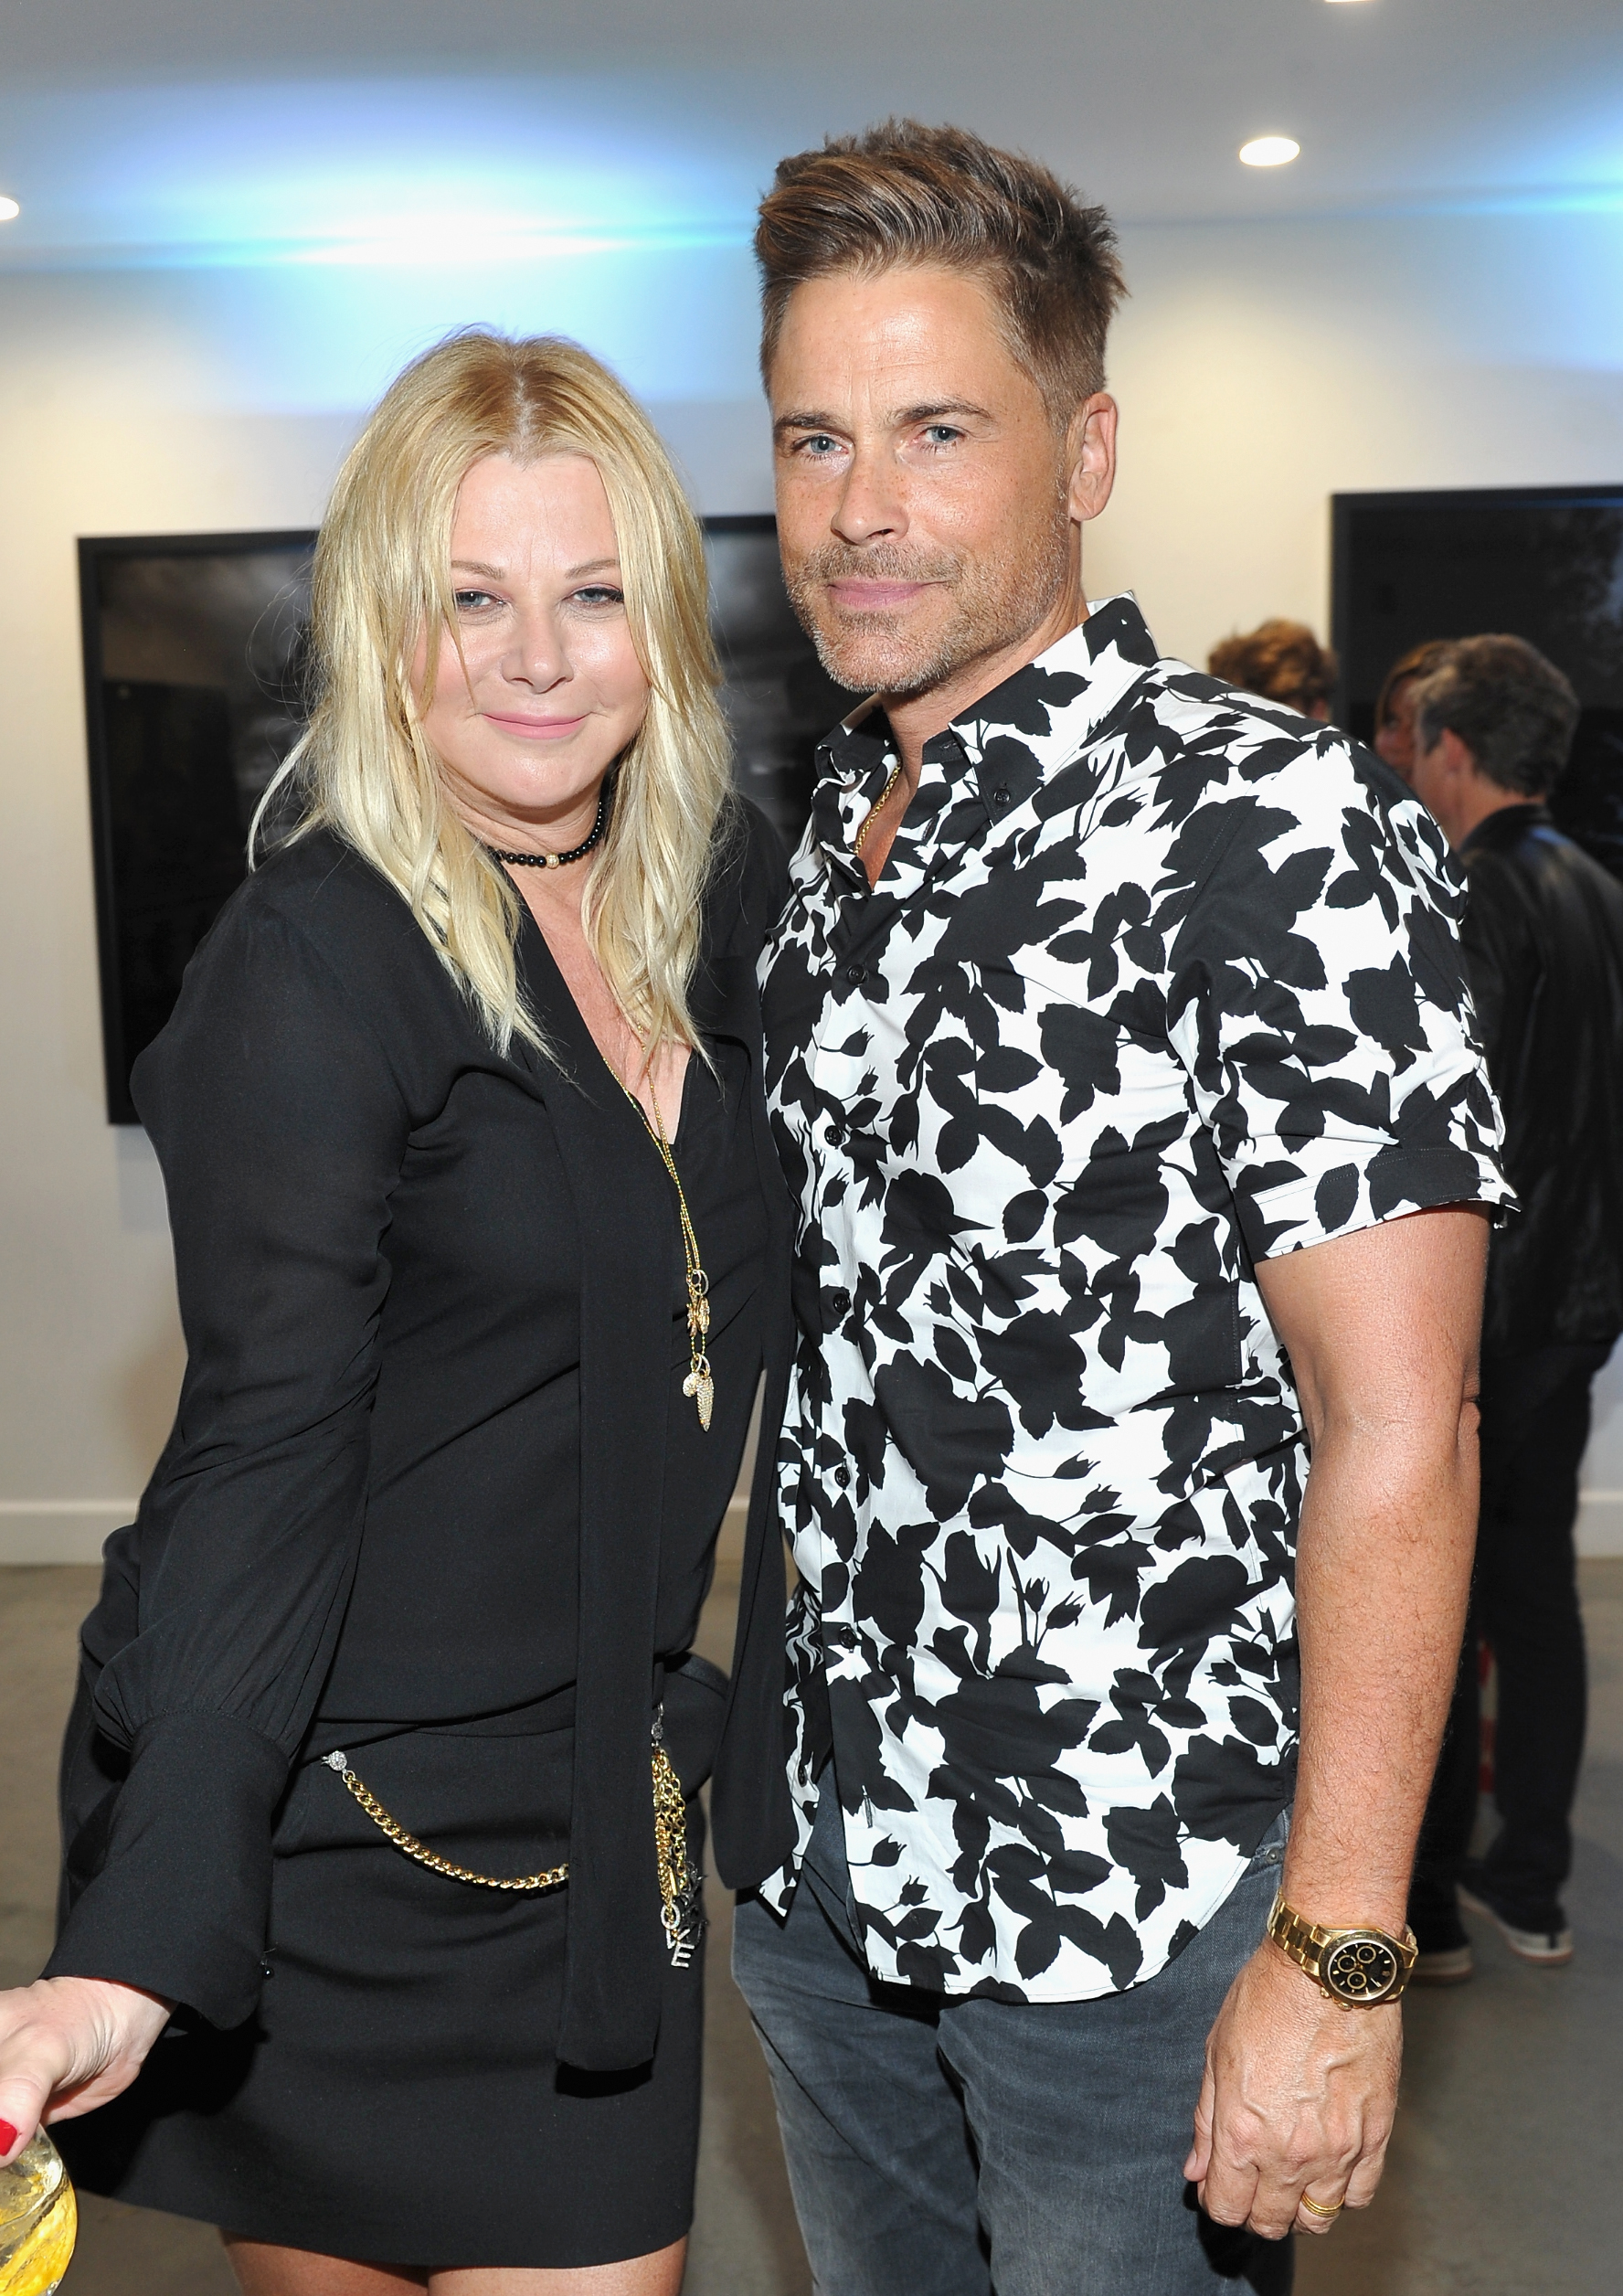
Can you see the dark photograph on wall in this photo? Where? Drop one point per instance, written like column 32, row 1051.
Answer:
column 194, row 692
column 1545, row 563
column 778, row 699
column 193, row 695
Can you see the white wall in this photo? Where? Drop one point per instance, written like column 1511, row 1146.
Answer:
column 1261, row 368
column 105, row 426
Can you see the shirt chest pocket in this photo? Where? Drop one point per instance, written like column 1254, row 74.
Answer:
column 1147, row 1250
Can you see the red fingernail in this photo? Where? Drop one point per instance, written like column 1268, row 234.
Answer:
column 8, row 2136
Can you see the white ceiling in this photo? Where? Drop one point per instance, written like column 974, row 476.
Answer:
column 204, row 129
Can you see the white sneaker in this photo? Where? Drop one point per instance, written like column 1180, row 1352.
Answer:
column 1451, row 1966
column 1550, row 1948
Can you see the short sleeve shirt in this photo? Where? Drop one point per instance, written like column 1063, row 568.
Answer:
column 1158, row 981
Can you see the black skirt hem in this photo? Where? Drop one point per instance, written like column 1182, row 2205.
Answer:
column 391, row 2246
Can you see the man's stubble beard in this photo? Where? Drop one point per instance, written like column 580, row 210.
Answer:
column 1000, row 600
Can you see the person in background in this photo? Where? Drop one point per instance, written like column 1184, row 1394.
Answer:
column 1283, row 662
column 1544, row 946
column 1395, row 730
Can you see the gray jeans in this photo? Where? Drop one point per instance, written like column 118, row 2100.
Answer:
column 944, row 2147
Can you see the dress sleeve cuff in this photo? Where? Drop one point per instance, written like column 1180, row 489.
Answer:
column 181, row 1901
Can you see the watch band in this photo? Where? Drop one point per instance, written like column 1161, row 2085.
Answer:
column 1361, row 1968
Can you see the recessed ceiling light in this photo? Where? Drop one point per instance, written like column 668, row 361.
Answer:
column 9, row 209
column 1268, row 150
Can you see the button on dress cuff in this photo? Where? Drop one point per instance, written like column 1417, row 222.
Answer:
column 181, row 1902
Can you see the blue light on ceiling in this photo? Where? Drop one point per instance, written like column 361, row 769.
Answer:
column 330, row 231
column 470, row 172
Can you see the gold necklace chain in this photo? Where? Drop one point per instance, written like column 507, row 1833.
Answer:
column 699, row 1382
column 876, row 808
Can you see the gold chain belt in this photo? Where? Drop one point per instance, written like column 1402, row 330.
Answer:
column 679, row 1883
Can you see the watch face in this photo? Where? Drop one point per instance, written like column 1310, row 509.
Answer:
column 1362, row 1968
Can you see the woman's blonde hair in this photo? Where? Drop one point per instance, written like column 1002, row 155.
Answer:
column 382, row 577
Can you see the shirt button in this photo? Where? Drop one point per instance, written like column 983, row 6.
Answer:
column 856, row 974
column 842, row 1477
column 1000, row 797
column 838, row 1303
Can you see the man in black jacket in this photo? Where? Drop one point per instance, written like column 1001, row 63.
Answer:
column 1543, row 943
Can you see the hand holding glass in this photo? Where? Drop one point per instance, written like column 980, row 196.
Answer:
column 38, row 2220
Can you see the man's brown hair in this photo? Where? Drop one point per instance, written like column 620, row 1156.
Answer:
column 1514, row 709
column 1281, row 660
column 905, row 194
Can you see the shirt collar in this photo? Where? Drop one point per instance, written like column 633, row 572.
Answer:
column 994, row 755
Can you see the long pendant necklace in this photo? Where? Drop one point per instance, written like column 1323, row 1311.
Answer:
column 699, row 1382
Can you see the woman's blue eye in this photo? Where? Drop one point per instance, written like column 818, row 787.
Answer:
column 602, row 594
column 468, row 601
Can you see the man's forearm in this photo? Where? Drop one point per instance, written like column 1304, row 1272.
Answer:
column 1382, row 1570
column 1380, row 1327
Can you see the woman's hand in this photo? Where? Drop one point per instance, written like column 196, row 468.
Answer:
column 68, row 2045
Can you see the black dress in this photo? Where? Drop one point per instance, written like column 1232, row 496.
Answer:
column 434, row 1497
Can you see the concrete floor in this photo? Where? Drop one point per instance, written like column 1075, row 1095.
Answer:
column 1503, row 2173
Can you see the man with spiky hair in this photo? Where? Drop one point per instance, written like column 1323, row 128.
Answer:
column 1119, row 1064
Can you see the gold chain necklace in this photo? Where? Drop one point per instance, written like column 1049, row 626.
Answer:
column 698, row 1383
column 876, row 808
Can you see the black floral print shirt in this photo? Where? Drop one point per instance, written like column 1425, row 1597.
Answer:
column 1158, row 981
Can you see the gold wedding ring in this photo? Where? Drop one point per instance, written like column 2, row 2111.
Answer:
column 1317, row 2207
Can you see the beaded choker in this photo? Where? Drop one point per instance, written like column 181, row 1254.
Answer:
column 560, row 860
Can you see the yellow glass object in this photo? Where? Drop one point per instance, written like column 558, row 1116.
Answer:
column 38, row 2220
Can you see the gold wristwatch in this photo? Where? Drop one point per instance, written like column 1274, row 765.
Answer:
column 1360, row 1967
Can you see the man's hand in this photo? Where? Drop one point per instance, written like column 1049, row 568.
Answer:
column 68, row 2045
column 1297, row 2097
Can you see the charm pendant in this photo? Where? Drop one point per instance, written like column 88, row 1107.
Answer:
column 698, row 1382
column 701, row 1387
column 681, row 1889
column 684, row 1936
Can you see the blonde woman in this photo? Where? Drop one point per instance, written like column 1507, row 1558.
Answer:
column 377, row 1798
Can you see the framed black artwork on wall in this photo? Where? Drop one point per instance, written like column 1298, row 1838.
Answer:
column 1545, row 563
column 195, row 651
column 778, row 699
